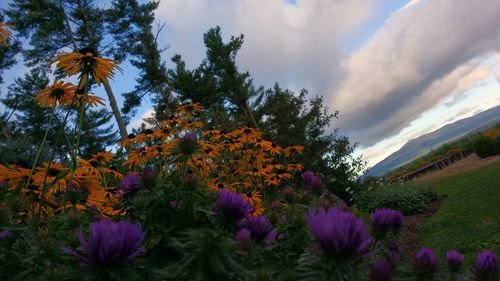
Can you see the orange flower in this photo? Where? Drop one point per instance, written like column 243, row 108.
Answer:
column 59, row 92
column 294, row 167
column 88, row 99
column 87, row 62
column 190, row 108
column 253, row 198
column 13, row 174
column 131, row 139
column 273, row 179
column 293, row 150
column 102, row 157
column 5, row 34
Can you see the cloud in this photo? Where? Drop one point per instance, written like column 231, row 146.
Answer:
column 137, row 122
column 423, row 54
column 295, row 45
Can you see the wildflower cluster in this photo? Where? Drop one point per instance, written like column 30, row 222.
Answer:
column 178, row 202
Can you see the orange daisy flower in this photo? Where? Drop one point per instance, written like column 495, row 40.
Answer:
column 190, row 108
column 88, row 99
column 131, row 139
column 87, row 62
column 102, row 157
column 253, row 198
column 60, row 92
column 5, row 34
column 293, row 150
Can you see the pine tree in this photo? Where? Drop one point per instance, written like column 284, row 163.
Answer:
column 66, row 25
column 216, row 83
column 27, row 121
column 231, row 100
column 131, row 24
column 288, row 118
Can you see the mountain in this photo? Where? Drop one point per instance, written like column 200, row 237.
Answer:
column 423, row 144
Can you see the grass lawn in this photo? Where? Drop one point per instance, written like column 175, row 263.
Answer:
column 469, row 218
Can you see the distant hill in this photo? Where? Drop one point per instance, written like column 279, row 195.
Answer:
column 423, row 144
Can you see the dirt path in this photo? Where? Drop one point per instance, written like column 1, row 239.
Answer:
column 468, row 163
column 411, row 228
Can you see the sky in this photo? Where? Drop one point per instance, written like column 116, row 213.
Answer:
column 394, row 69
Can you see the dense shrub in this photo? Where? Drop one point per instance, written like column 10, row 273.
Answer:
column 408, row 198
column 485, row 146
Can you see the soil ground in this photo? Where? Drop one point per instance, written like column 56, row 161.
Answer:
column 411, row 228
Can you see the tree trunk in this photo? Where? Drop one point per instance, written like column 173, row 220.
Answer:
column 116, row 110
column 112, row 101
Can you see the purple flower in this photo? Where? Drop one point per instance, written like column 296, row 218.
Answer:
column 454, row 260
column 287, row 190
column 338, row 232
column 281, row 236
column 173, row 204
column 149, row 177
column 381, row 271
column 307, row 176
column 385, row 220
column 260, row 228
column 188, row 143
column 109, row 244
column 232, row 206
column 315, row 182
column 5, row 234
column 486, row 266
column 426, row 262
column 130, row 184
column 394, row 250
column 244, row 238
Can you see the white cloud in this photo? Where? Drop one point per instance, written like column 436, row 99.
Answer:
column 295, row 45
column 137, row 122
column 422, row 55
column 426, row 53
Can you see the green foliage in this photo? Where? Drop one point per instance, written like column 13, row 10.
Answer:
column 131, row 25
column 7, row 55
column 485, row 146
column 27, row 122
column 467, row 219
column 408, row 198
column 217, row 84
column 286, row 118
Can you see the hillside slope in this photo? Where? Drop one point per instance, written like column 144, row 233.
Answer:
column 423, row 144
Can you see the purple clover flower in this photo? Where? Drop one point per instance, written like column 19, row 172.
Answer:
column 232, row 206
column 4, row 234
column 130, row 184
column 244, row 238
column 109, row 244
column 486, row 266
column 385, row 220
column 287, row 190
column 312, row 180
column 260, row 228
column 338, row 232
column 188, row 143
column 394, row 250
column 454, row 260
column 426, row 262
column 307, row 176
column 381, row 271
column 315, row 182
